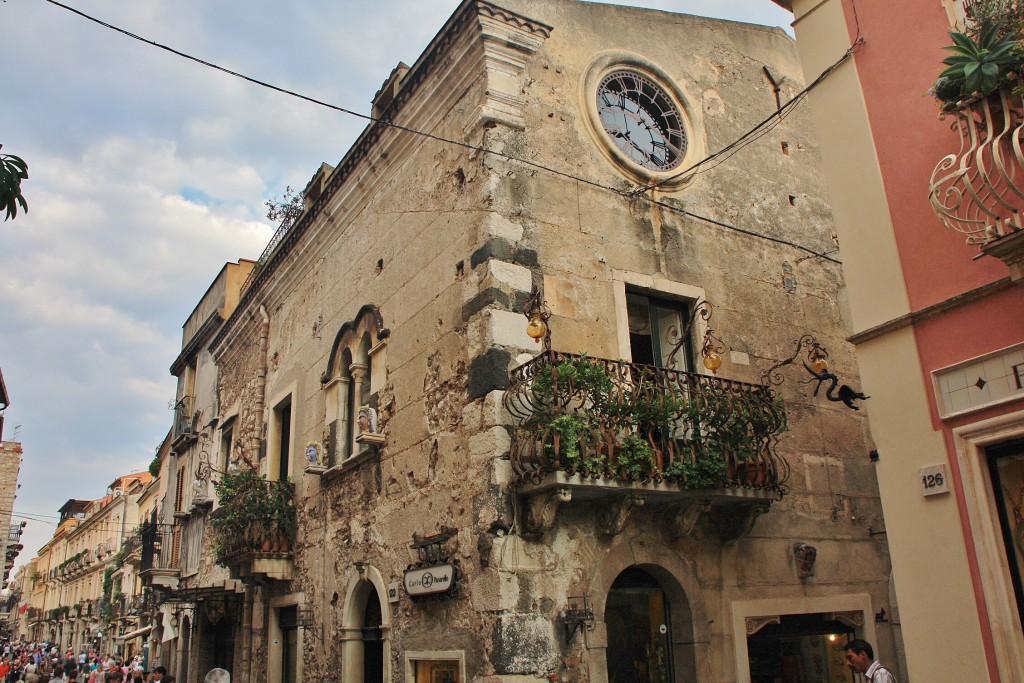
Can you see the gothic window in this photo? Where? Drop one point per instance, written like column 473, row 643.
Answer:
column 353, row 380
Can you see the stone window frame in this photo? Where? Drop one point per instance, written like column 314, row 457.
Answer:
column 691, row 114
column 275, row 640
column 271, row 459
column 656, row 287
column 356, row 367
column 744, row 611
column 413, row 656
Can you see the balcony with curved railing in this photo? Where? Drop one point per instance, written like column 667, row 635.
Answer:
column 591, row 429
column 979, row 190
column 254, row 527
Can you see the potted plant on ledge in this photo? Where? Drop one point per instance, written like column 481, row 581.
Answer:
column 979, row 190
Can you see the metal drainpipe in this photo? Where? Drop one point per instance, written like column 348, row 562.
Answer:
column 246, row 633
column 261, row 385
column 254, row 447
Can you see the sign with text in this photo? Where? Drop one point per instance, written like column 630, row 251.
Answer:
column 933, row 480
column 430, row 580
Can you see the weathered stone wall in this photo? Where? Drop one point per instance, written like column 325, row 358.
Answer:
column 447, row 243
column 10, row 466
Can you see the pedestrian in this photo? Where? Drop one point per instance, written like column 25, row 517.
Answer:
column 861, row 659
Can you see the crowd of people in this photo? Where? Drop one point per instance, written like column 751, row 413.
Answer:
column 44, row 663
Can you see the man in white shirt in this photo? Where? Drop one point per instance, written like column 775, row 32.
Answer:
column 861, row 659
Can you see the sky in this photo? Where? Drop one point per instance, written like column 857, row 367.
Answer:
column 147, row 173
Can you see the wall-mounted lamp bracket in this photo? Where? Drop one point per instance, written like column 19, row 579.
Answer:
column 577, row 616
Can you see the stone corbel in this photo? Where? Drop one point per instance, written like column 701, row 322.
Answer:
column 755, row 624
column 611, row 519
column 688, row 516
column 854, row 619
column 732, row 522
column 541, row 510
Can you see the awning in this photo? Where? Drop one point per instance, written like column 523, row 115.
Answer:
column 136, row 633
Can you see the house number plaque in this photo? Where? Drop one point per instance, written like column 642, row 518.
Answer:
column 933, row 480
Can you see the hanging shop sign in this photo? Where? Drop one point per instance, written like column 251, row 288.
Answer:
column 432, row 580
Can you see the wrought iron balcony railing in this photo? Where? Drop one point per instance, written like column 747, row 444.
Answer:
column 254, row 528
column 136, row 605
column 612, row 420
column 979, row 190
column 159, row 550
column 184, row 418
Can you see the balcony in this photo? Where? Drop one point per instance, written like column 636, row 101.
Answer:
column 132, row 547
column 136, row 605
column 979, row 190
column 185, row 429
column 158, row 562
column 625, row 435
column 254, row 527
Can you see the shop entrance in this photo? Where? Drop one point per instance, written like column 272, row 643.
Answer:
column 800, row 648
column 1006, row 467
column 639, row 630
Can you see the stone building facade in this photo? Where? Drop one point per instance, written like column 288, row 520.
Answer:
column 378, row 367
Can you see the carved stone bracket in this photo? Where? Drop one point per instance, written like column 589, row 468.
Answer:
column 733, row 522
column 689, row 515
column 853, row 619
column 755, row 624
column 805, row 555
column 541, row 510
column 611, row 519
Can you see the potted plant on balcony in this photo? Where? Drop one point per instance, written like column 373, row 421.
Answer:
column 255, row 514
column 987, row 56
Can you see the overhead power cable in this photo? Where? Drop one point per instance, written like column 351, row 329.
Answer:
column 761, row 129
column 639, row 192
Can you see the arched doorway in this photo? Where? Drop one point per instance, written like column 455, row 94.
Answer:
column 364, row 634
column 373, row 639
column 638, row 618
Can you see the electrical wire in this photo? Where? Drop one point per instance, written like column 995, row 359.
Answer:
column 758, row 131
column 639, row 192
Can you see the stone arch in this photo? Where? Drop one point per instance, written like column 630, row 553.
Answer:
column 355, row 373
column 368, row 321
column 365, row 585
column 690, row 629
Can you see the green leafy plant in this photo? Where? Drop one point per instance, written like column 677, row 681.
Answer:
column 12, row 171
column 636, row 423
column 705, row 472
column 253, row 511
column 981, row 64
column 635, row 458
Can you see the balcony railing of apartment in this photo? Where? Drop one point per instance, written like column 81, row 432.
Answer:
column 136, row 605
column 160, row 545
column 254, row 527
column 184, row 419
column 979, row 190
column 132, row 547
column 595, row 429
column 14, row 533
